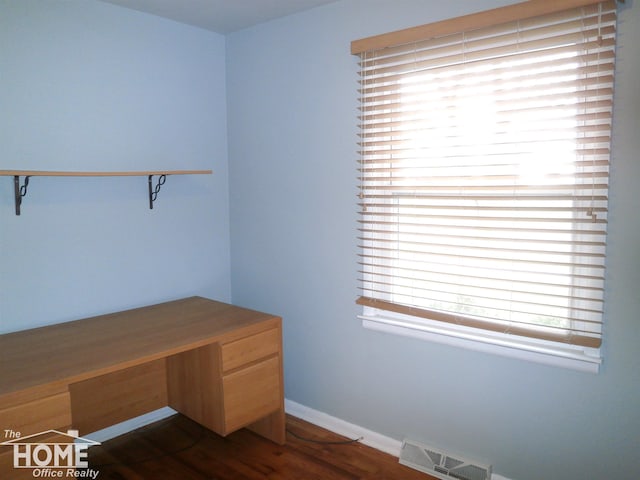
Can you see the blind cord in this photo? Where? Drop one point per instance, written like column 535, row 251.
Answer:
column 325, row 442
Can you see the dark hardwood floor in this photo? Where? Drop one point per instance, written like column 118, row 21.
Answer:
column 178, row 448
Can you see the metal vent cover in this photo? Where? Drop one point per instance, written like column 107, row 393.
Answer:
column 441, row 465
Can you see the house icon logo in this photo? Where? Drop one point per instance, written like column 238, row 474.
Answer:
column 49, row 457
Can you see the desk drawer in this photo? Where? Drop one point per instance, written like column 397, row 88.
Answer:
column 47, row 413
column 8, row 472
column 251, row 393
column 250, row 349
column 231, row 385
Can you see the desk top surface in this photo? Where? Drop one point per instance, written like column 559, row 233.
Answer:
column 49, row 358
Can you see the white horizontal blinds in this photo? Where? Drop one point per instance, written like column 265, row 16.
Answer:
column 484, row 159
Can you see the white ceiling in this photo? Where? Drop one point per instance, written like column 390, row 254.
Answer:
column 221, row 16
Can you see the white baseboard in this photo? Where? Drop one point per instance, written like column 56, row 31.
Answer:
column 349, row 430
column 129, row 425
column 346, row 429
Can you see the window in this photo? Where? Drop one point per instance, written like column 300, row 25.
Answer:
column 484, row 159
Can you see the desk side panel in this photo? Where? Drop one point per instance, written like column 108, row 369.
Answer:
column 194, row 388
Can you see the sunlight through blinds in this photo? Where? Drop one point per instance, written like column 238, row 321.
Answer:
column 484, row 166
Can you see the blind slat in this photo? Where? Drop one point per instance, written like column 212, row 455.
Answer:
column 559, row 335
column 484, row 170
column 581, row 43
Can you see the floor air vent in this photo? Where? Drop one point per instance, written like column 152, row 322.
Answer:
column 441, row 465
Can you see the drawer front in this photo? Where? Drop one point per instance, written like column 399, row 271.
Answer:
column 8, row 472
column 249, row 349
column 251, row 393
column 47, row 413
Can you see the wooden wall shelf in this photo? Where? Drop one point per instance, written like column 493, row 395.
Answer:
column 21, row 190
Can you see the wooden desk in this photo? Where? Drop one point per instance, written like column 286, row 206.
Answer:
column 219, row 364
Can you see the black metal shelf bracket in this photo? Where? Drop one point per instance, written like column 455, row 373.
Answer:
column 153, row 191
column 19, row 191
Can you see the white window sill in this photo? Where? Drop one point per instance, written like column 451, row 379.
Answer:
column 548, row 353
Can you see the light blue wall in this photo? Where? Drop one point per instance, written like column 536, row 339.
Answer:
column 292, row 154
column 86, row 85
column 89, row 86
